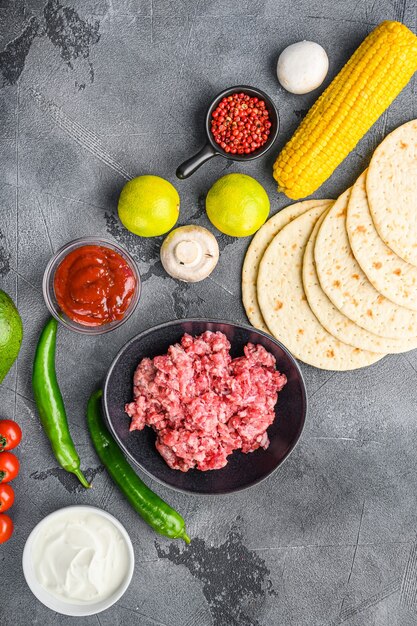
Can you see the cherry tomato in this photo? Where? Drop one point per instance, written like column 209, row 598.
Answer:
column 6, row 528
column 10, row 435
column 9, row 467
column 6, row 497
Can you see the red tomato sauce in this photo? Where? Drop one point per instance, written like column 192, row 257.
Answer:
column 94, row 285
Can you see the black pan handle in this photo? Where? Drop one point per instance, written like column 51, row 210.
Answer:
column 193, row 163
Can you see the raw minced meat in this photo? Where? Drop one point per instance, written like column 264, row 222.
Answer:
column 202, row 404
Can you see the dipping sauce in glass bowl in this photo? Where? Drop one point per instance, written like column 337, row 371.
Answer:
column 91, row 285
column 94, row 285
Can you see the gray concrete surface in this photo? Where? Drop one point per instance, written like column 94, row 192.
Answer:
column 92, row 93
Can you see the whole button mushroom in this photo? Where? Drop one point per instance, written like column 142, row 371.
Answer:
column 190, row 253
column 302, row 67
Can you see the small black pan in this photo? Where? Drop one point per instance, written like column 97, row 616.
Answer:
column 212, row 149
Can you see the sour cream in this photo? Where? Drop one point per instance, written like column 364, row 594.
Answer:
column 80, row 556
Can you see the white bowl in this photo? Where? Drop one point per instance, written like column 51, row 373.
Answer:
column 62, row 606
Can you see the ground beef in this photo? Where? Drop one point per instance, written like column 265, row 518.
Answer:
column 203, row 404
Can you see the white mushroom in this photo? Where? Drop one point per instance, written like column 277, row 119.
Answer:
column 302, row 67
column 190, row 253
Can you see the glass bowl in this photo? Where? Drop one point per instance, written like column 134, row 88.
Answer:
column 49, row 291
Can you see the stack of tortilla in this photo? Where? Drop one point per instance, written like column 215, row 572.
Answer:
column 336, row 281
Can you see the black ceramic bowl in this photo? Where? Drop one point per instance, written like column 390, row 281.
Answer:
column 212, row 149
column 242, row 470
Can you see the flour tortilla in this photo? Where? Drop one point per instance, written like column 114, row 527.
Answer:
column 333, row 320
column 284, row 304
column 391, row 185
column 255, row 252
column 390, row 274
column 343, row 281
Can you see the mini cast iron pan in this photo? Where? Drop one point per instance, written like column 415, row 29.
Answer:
column 212, row 149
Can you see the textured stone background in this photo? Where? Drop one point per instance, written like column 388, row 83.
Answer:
column 92, row 93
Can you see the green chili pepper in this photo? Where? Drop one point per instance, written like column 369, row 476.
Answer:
column 50, row 404
column 157, row 513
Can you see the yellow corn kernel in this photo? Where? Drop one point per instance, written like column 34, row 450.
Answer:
column 364, row 88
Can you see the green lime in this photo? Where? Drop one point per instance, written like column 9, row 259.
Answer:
column 237, row 205
column 149, row 206
column 11, row 332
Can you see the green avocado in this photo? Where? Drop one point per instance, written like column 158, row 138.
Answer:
column 11, row 333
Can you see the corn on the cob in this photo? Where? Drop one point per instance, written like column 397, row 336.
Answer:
column 368, row 83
